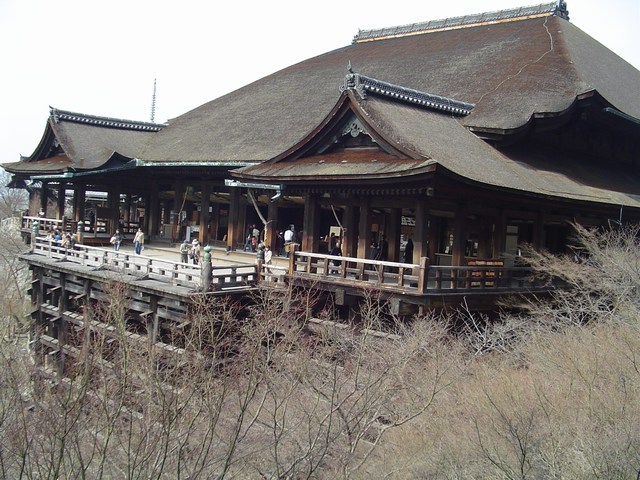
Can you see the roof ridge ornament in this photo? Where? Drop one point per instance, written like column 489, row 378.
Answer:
column 557, row 8
column 561, row 10
column 363, row 85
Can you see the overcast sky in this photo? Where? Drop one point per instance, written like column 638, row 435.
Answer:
column 101, row 58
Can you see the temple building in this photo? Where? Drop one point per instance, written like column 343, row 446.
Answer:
column 470, row 136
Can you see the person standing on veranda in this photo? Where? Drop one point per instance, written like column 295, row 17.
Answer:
column 194, row 252
column 184, row 251
column 268, row 255
column 138, row 241
column 116, row 240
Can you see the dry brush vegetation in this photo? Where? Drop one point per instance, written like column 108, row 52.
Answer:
column 553, row 392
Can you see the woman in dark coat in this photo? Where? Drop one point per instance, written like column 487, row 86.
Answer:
column 408, row 252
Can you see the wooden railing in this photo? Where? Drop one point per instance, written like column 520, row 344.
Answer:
column 418, row 279
column 387, row 275
column 479, row 278
column 45, row 225
column 413, row 278
column 146, row 267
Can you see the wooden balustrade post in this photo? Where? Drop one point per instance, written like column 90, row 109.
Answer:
column 423, row 278
column 259, row 265
column 34, row 234
column 80, row 232
column 175, row 274
column 292, row 258
column 207, row 269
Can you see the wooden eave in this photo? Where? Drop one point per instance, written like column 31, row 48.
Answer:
column 538, row 121
column 344, row 181
column 545, row 121
column 498, row 191
column 45, row 146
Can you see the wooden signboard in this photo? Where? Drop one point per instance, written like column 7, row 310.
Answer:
column 489, row 275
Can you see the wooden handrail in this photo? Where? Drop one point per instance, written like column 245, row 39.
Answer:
column 385, row 274
column 153, row 267
column 425, row 278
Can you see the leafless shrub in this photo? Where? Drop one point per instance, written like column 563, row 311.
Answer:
column 256, row 394
column 13, row 201
column 602, row 278
column 14, row 276
column 276, row 402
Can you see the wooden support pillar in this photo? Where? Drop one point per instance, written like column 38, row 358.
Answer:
column 113, row 201
column 311, row 225
column 485, row 231
column 235, row 230
column 205, row 202
column 179, row 199
column 392, row 231
column 146, row 224
column 151, row 212
column 350, row 234
column 75, row 203
column 500, row 234
column 538, row 231
column 87, row 315
column 215, row 221
column 433, row 238
column 79, row 200
column 62, row 325
column 155, row 212
column 44, row 198
column 127, row 208
column 37, row 297
column 152, row 319
column 459, row 236
column 61, row 202
column 420, row 231
column 178, row 206
column 271, row 232
column 364, row 229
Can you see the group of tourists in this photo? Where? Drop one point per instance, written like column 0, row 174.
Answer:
column 118, row 237
column 190, row 251
column 60, row 239
column 283, row 241
column 252, row 239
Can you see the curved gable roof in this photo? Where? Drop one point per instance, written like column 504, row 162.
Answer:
column 75, row 141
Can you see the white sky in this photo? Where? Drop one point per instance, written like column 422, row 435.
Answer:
column 101, row 58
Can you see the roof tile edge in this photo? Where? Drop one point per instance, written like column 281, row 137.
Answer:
column 363, row 85
column 557, row 8
column 109, row 122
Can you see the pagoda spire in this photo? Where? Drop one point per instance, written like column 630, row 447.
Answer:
column 153, row 102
